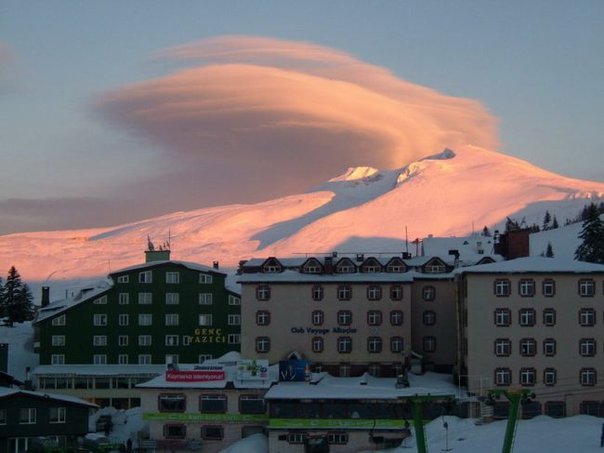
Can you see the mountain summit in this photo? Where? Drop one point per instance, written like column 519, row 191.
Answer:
column 364, row 209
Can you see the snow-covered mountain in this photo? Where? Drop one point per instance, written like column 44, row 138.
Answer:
column 365, row 210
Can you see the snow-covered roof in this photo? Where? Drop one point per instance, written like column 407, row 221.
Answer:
column 85, row 294
column 98, row 370
column 187, row 264
column 534, row 264
column 325, row 386
column 7, row 392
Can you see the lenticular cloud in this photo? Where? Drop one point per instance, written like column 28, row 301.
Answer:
column 306, row 110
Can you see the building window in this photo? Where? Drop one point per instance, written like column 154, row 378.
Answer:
column 429, row 293
column 234, row 320
column 429, row 344
column 251, row 404
column 396, row 317
column 144, row 359
column 234, row 300
column 124, row 298
column 172, row 277
column 587, row 347
column 100, row 319
column 503, row 347
column 205, row 298
column 123, row 279
column 528, row 347
column 171, row 340
column 263, row 292
column 429, row 318
column 27, row 416
column 99, row 359
column 317, row 344
column 212, row 432
column 122, row 359
column 503, row 317
column 344, row 370
column 374, row 292
column 263, row 344
column 549, row 317
column 145, row 298
column 203, row 357
column 502, row 287
column 99, row 340
column 587, row 317
column 234, row 338
column 337, row 438
column 549, row 376
column 588, row 376
column 171, row 319
column 397, row 345
column 396, row 292
column 344, row 317
column 317, row 292
column 374, row 345
column 317, row 318
column 175, row 431
column 503, row 376
column 396, row 265
column 205, row 279
column 344, row 293
column 101, row 300
column 205, row 320
column 172, row 402
column 145, row 319
column 58, row 321
column 526, row 287
column 345, row 266
column 57, row 359
column 123, row 319
column 58, row 340
column 586, row 287
column 528, row 376
column 172, row 298
column 213, row 404
column 122, row 340
column 145, row 277
column 374, row 318
column 549, row 287
column 344, row 345
column 296, row 438
column 526, row 317
column 549, row 347
column 57, row 415
column 312, row 266
column 144, row 340
column 263, row 318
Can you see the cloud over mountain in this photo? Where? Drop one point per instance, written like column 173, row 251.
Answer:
column 249, row 107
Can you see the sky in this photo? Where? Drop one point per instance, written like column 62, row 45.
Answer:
column 116, row 111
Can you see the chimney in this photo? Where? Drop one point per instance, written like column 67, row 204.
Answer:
column 45, row 296
column 157, row 255
column 216, row 265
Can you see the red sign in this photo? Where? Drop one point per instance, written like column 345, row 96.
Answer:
column 194, row 375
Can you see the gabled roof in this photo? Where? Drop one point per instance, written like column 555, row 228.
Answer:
column 188, row 265
column 58, row 307
column 65, row 399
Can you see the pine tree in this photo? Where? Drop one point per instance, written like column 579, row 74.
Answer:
column 549, row 252
column 555, row 223
column 16, row 298
column 546, row 221
column 592, row 235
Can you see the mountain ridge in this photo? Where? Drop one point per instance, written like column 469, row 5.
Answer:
column 364, row 209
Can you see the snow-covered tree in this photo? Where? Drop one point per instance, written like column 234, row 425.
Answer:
column 555, row 223
column 549, row 252
column 546, row 221
column 591, row 248
column 16, row 298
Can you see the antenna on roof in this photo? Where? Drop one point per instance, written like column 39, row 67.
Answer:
column 150, row 246
column 169, row 238
column 406, row 240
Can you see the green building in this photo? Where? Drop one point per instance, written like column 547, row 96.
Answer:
column 131, row 326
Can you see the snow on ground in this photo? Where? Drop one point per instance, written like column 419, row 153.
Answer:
column 20, row 348
column 127, row 424
column 256, row 443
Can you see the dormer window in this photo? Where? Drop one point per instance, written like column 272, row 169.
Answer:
column 396, row 265
column 312, row 266
column 371, row 265
column 435, row 267
column 345, row 266
column 272, row 266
